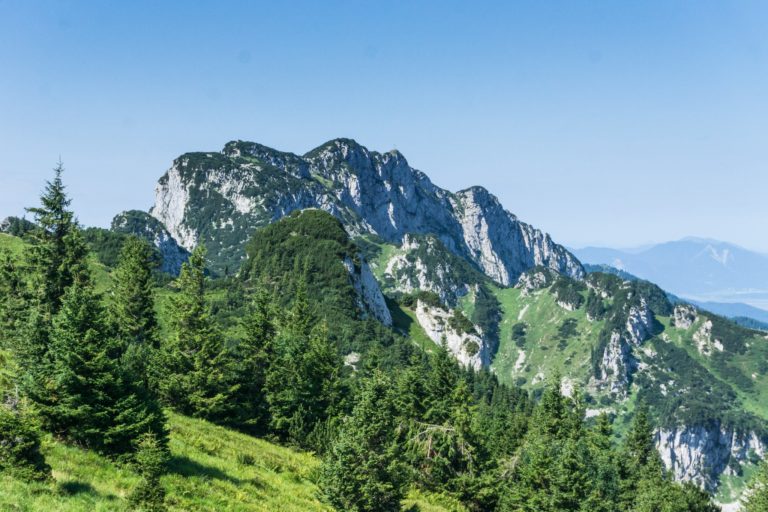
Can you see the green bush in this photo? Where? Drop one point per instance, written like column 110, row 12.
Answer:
column 20, row 446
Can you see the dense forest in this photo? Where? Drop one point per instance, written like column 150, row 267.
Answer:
column 263, row 353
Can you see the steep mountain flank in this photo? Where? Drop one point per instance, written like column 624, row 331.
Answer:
column 220, row 198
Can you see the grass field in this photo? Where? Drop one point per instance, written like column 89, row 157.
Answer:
column 543, row 352
column 211, row 469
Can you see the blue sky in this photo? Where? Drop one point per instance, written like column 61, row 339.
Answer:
column 616, row 123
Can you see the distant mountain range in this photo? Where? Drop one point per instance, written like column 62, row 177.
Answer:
column 722, row 277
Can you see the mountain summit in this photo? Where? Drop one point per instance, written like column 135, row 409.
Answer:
column 220, row 198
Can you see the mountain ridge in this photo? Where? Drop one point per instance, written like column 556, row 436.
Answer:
column 247, row 185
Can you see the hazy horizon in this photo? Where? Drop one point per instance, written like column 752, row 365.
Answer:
column 613, row 125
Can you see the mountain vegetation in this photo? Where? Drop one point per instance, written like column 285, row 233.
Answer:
column 278, row 386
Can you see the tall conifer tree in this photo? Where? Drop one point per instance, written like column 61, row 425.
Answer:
column 194, row 363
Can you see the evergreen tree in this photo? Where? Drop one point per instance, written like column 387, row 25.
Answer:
column 304, row 381
column 255, row 353
column 20, row 453
column 13, row 300
column 55, row 259
column 91, row 399
column 194, row 363
column 605, row 494
column 642, row 473
column 440, row 384
column 55, row 256
column 756, row 496
column 555, row 470
column 362, row 473
column 150, row 460
column 131, row 309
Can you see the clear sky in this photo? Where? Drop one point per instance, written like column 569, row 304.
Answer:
column 601, row 122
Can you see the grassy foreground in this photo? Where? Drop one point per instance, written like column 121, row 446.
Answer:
column 211, row 469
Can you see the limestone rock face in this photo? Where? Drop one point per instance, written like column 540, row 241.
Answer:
column 139, row 223
column 370, row 299
column 616, row 366
column 701, row 454
column 639, row 323
column 219, row 198
column 684, row 316
column 467, row 347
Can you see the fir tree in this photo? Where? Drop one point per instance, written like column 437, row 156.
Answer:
column 131, row 310
column 303, row 383
column 150, row 461
column 362, row 473
column 92, row 400
column 555, row 471
column 194, row 363
column 13, row 300
column 255, row 353
column 55, row 260
column 20, row 453
column 55, row 256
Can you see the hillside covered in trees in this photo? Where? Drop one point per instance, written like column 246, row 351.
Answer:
column 278, row 389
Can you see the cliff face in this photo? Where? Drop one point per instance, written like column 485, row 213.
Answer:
column 700, row 454
column 219, row 198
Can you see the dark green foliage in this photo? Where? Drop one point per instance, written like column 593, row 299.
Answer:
column 555, row 470
column 311, row 246
column 20, row 453
column 460, row 323
column 131, row 307
column 14, row 298
column 105, row 244
column 733, row 336
column 566, row 331
column 756, row 497
column 16, row 226
column 429, row 298
column 487, row 315
column 519, row 331
column 150, row 461
column 596, row 309
column 302, row 384
column 91, row 399
column 363, row 471
column 57, row 254
column 254, row 355
column 710, row 401
column 194, row 364
column 568, row 291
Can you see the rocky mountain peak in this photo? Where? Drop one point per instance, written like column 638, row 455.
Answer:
column 219, row 198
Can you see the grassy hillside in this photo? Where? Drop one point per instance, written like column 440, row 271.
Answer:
column 537, row 337
column 211, row 469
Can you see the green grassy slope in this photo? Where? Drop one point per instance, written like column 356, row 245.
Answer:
column 211, row 469
column 544, row 350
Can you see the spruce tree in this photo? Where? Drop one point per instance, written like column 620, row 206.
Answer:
column 255, row 354
column 131, row 302
column 150, row 462
column 131, row 310
column 362, row 473
column 303, row 383
column 20, row 454
column 194, row 363
column 92, row 399
column 55, row 256
column 55, row 259
column 555, row 470
column 13, row 300
column 642, row 472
